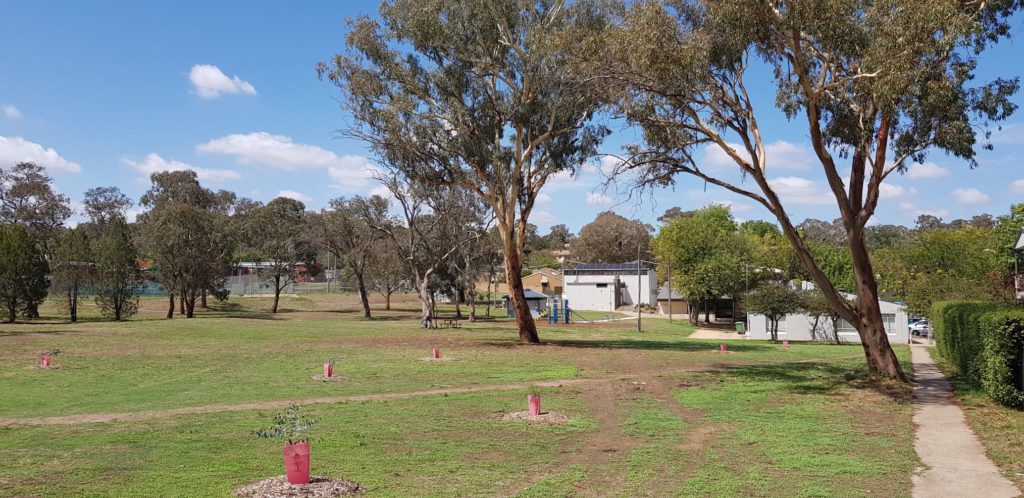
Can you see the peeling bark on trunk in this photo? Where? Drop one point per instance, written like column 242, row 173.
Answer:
column 517, row 299
column 426, row 317
column 881, row 358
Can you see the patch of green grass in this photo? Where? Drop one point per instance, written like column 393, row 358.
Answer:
column 561, row 484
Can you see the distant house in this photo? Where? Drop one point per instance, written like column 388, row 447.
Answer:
column 536, row 301
column 562, row 255
column 799, row 327
column 546, row 280
column 713, row 309
column 607, row 286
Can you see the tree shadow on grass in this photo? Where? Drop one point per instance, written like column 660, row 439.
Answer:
column 678, row 345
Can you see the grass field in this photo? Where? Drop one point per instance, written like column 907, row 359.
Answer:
column 156, row 407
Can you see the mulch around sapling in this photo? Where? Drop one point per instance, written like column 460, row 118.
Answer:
column 318, row 487
column 443, row 358
column 333, row 378
column 548, row 418
column 40, row 367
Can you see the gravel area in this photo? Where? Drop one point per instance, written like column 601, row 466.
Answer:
column 550, row 418
column 334, row 378
column 318, row 487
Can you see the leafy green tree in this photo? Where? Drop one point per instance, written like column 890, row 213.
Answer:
column 774, row 301
column 278, row 232
column 27, row 197
column 612, row 238
column 102, row 204
column 760, row 228
column 345, row 233
column 824, row 318
column 707, row 256
column 188, row 233
column 1005, row 234
column 73, row 268
column 118, row 280
column 23, row 271
column 478, row 95
column 876, row 84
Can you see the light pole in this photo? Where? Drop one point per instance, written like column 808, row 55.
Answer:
column 639, row 310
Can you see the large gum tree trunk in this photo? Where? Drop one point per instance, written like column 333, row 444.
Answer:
column 364, row 298
column 517, row 298
column 881, row 358
column 426, row 315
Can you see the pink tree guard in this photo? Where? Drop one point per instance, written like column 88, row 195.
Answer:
column 785, row 343
column 328, row 370
column 437, row 353
column 296, row 462
column 44, row 360
column 722, row 348
column 533, row 401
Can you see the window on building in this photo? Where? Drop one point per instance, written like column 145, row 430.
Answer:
column 601, row 286
column 888, row 321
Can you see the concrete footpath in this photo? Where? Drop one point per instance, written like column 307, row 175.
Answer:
column 955, row 460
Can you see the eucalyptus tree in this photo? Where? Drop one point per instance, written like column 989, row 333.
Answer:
column 279, row 234
column 612, row 238
column 73, row 267
column 874, row 84
column 434, row 222
column 478, row 95
column 188, row 233
column 346, row 234
column 101, row 204
column 27, row 197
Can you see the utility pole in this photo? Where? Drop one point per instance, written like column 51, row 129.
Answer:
column 639, row 310
column 669, row 263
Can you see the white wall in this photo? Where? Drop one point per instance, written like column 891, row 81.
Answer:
column 583, row 293
column 798, row 327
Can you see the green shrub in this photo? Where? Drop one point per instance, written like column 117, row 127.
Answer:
column 1003, row 335
column 984, row 342
column 957, row 329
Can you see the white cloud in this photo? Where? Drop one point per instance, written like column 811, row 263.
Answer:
column 779, row 154
column 209, row 82
column 970, row 196
column 796, row 190
column 888, row 191
column 17, row 149
column 12, row 112
column 913, row 211
column 543, row 198
column 926, row 171
column 280, row 151
column 542, row 218
column 598, row 199
column 153, row 163
column 735, row 207
column 1017, row 187
column 299, row 196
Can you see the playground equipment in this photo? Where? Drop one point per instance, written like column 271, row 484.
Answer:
column 558, row 311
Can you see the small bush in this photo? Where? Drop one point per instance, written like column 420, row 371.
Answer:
column 984, row 342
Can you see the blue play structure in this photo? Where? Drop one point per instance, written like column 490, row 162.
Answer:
column 558, row 313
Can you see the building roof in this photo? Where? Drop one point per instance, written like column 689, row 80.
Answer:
column 532, row 294
column 610, row 267
column 663, row 294
column 1019, row 246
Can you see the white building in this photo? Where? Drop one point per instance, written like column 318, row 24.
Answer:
column 607, row 286
column 798, row 327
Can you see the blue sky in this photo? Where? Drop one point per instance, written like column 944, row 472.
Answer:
column 105, row 92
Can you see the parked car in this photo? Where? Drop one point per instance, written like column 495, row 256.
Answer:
column 920, row 328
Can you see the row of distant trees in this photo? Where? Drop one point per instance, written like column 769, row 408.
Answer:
column 39, row 256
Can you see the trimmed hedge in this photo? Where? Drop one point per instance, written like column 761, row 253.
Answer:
column 984, row 342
